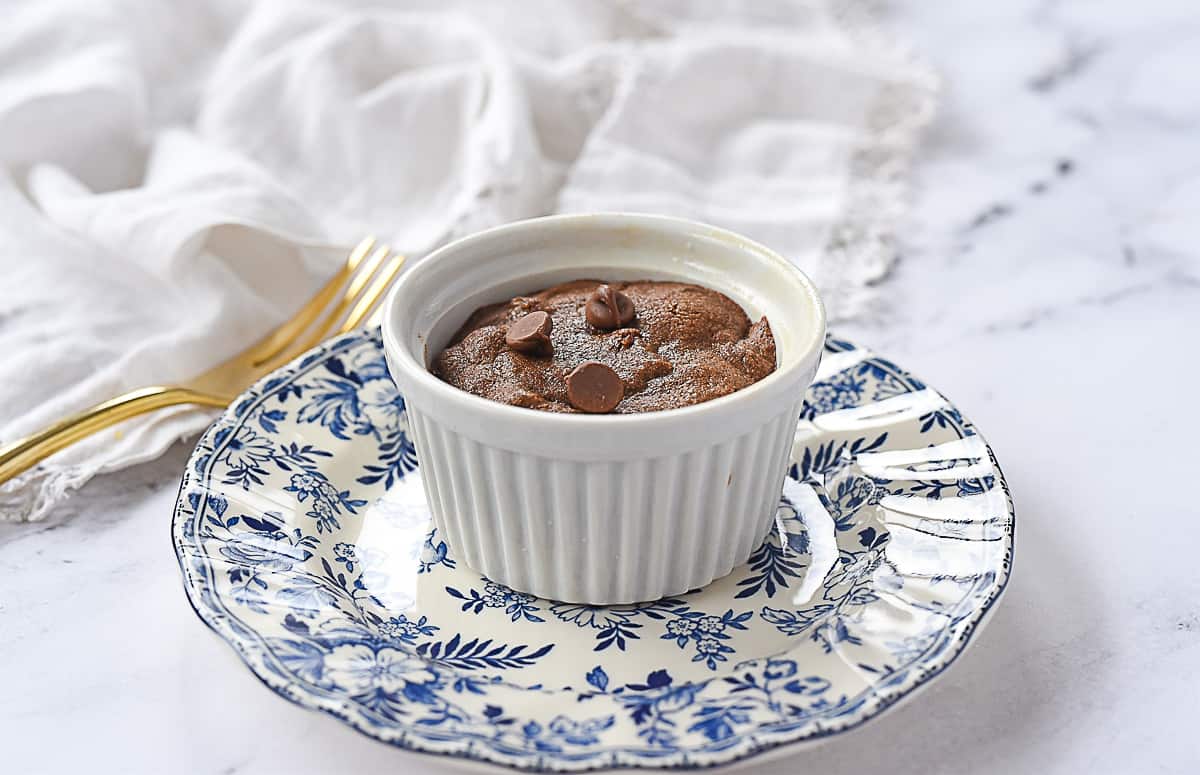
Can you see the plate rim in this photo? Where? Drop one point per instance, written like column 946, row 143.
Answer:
column 300, row 696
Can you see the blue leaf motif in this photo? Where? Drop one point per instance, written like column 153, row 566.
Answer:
column 422, row 693
column 795, row 622
column 677, row 698
column 334, row 404
column 476, row 654
column 772, row 566
column 717, row 722
column 267, row 420
column 338, row 369
column 658, row 679
column 810, row 686
column 396, row 457
column 598, row 678
column 306, row 597
column 302, row 657
column 262, row 525
column 779, row 668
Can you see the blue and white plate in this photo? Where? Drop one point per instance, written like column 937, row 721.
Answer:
column 304, row 539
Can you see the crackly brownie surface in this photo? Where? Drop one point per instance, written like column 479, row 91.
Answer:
column 619, row 347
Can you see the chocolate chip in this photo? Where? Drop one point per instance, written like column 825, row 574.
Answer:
column 530, row 334
column 595, row 388
column 607, row 309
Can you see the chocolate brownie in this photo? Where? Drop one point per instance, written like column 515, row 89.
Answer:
column 623, row 347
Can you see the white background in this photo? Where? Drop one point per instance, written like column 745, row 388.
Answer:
column 1049, row 284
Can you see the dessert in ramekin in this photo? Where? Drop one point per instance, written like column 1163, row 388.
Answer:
column 601, row 508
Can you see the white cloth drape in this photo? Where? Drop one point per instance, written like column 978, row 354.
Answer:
column 177, row 177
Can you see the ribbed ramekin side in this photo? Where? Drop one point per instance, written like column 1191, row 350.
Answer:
column 516, row 522
column 727, row 503
column 632, row 534
column 604, row 531
column 433, row 475
column 724, row 500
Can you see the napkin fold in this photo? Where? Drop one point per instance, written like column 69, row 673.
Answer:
column 177, row 178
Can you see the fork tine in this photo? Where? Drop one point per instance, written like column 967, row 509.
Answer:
column 376, row 319
column 373, row 294
column 278, row 340
column 353, row 291
column 219, row 385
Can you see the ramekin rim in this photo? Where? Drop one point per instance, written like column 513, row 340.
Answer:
column 404, row 358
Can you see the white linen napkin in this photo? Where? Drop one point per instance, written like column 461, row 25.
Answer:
column 176, row 178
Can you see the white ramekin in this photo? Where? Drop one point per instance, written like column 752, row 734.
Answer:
column 601, row 509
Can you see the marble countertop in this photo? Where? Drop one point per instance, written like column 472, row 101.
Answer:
column 1050, row 260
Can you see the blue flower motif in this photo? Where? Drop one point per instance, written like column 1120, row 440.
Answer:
column 402, row 629
column 334, row 404
column 263, row 552
column 325, row 516
column 516, row 604
column 305, row 485
column 247, row 449
column 382, row 397
column 850, row 389
column 594, row 616
column 681, row 627
column 849, row 573
column 328, row 491
column 346, row 554
column 367, row 365
column 822, row 397
column 850, row 494
column 359, row 668
column 710, row 651
column 495, row 595
column 710, row 624
column 325, row 499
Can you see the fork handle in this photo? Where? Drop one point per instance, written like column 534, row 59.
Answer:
column 22, row 454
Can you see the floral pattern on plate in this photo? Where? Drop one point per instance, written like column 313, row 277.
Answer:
column 305, row 542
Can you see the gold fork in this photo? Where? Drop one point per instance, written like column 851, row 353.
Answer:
column 218, row 386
